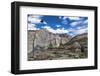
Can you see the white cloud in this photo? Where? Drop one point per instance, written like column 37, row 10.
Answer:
column 76, row 23
column 34, row 20
column 60, row 17
column 58, row 25
column 65, row 17
column 32, row 27
column 81, row 31
column 73, row 24
column 70, row 29
column 81, row 27
column 77, row 31
column 78, row 28
column 71, row 18
column 86, row 21
column 65, row 22
column 74, row 18
column 61, row 30
column 44, row 22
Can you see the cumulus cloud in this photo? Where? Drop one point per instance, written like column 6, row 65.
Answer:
column 61, row 30
column 60, row 17
column 35, row 19
column 86, row 21
column 58, row 25
column 76, row 23
column 65, row 17
column 71, row 18
column 65, row 22
column 32, row 27
column 74, row 32
column 81, row 31
column 78, row 28
column 44, row 22
column 74, row 18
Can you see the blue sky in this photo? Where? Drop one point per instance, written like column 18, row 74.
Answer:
column 71, row 25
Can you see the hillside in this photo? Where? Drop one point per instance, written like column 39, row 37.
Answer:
column 44, row 45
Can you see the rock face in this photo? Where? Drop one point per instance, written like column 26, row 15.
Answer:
column 42, row 39
column 31, row 36
column 73, row 45
column 44, row 45
column 78, row 42
column 80, row 38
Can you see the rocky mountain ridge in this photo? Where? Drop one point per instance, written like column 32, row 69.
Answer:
column 42, row 39
column 45, row 44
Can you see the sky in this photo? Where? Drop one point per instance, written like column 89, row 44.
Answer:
column 71, row 25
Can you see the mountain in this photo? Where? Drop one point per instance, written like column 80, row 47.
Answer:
column 79, row 42
column 43, row 39
column 45, row 45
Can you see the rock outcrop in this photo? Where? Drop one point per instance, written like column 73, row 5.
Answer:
column 44, row 45
column 42, row 39
column 78, row 42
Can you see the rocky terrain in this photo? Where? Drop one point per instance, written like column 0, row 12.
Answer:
column 44, row 45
